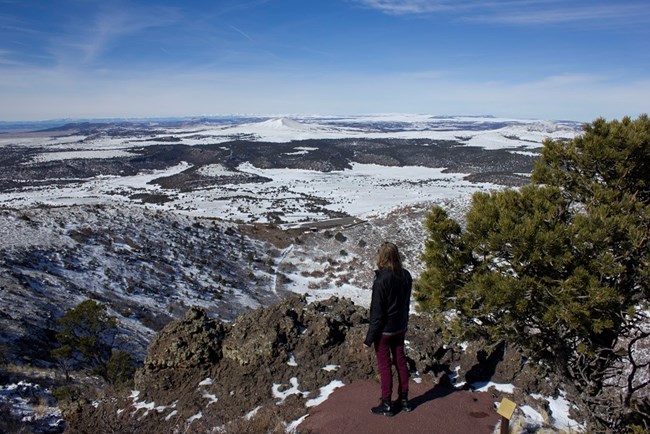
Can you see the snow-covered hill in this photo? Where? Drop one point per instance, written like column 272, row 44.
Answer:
column 146, row 266
column 502, row 132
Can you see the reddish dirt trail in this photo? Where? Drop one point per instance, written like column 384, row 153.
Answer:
column 438, row 409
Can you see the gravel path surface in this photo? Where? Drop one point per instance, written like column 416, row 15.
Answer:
column 438, row 409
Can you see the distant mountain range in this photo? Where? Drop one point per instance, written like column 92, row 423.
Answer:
column 382, row 120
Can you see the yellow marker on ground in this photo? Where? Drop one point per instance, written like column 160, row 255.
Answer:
column 506, row 408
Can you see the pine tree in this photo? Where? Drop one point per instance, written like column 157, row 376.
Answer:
column 86, row 336
column 559, row 267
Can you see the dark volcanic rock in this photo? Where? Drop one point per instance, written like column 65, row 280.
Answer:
column 201, row 373
column 193, row 341
column 222, row 371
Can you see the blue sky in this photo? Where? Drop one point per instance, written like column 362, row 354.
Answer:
column 548, row 59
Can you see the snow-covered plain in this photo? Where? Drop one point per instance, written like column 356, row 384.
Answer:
column 361, row 190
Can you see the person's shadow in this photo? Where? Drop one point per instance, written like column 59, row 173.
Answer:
column 440, row 390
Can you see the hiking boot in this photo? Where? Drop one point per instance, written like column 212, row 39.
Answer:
column 404, row 402
column 384, row 409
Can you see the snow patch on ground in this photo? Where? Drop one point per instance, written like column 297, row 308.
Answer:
column 363, row 190
column 100, row 190
column 559, row 411
column 484, row 386
column 215, row 171
column 325, row 392
column 291, row 427
column 32, row 404
column 534, row 419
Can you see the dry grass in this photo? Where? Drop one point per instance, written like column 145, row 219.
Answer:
column 27, row 371
column 41, row 407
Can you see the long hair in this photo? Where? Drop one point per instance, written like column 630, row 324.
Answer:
column 388, row 257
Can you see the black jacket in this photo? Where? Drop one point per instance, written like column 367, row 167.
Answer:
column 389, row 307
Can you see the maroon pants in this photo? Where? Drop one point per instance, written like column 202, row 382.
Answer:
column 392, row 346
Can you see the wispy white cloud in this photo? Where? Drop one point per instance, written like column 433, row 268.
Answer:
column 398, row 7
column 87, row 39
column 606, row 14
column 7, row 58
column 241, row 32
column 525, row 12
column 14, row 24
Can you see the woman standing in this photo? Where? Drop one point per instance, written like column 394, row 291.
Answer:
column 389, row 315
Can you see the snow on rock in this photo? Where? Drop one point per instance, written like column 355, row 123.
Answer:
column 251, row 414
column 330, row 368
column 454, row 375
column 292, row 360
column 147, row 406
column 206, row 382
column 212, row 398
column 325, row 392
column 284, row 394
column 195, row 417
